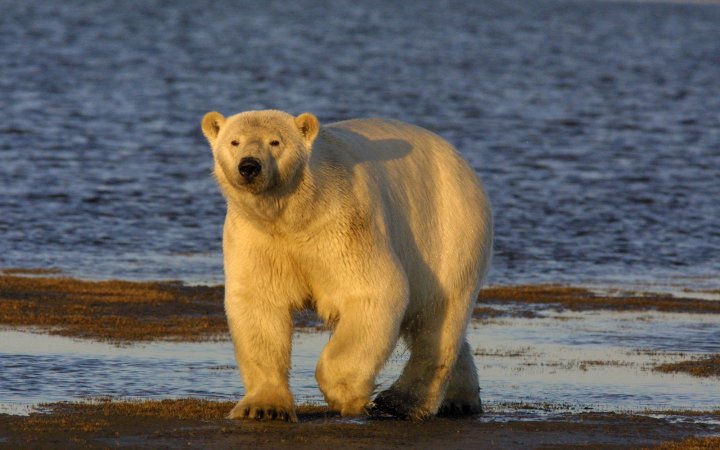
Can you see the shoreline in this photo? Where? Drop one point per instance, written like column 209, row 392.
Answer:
column 123, row 312
column 131, row 312
column 201, row 423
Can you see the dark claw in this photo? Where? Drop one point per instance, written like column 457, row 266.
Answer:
column 266, row 413
column 390, row 403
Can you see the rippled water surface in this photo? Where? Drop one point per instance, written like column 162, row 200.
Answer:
column 595, row 125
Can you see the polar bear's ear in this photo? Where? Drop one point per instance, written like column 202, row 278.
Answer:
column 211, row 124
column 308, row 126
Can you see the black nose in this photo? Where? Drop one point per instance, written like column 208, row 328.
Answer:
column 249, row 168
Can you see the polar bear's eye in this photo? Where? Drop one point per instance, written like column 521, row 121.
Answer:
column 274, row 143
column 235, row 143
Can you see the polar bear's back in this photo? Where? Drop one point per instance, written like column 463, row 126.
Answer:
column 403, row 153
column 436, row 209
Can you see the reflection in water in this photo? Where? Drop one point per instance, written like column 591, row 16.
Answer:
column 573, row 361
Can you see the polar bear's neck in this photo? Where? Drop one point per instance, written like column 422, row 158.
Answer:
column 280, row 212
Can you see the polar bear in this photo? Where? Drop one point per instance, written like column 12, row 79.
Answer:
column 379, row 226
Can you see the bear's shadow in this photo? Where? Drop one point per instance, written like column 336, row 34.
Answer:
column 373, row 149
column 385, row 150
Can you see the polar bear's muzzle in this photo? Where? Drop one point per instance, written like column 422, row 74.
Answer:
column 249, row 169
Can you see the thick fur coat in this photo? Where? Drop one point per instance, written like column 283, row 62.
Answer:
column 379, row 226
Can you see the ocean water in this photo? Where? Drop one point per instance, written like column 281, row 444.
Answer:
column 594, row 125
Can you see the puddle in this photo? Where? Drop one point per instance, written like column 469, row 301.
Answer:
column 571, row 362
column 39, row 368
column 599, row 361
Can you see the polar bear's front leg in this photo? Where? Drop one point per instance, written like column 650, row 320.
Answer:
column 262, row 335
column 363, row 339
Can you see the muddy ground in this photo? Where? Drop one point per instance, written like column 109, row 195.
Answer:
column 125, row 312
column 573, row 298
column 200, row 424
column 704, row 366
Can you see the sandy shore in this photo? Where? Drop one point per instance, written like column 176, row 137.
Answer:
column 123, row 312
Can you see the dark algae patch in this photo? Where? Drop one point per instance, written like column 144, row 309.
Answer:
column 580, row 299
column 693, row 443
column 30, row 271
column 120, row 311
column 127, row 311
column 192, row 423
column 706, row 366
column 113, row 310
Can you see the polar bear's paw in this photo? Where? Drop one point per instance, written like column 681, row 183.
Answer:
column 354, row 407
column 344, row 400
column 400, row 404
column 460, row 408
column 259, row 410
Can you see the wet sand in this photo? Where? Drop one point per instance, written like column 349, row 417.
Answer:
column 124, row 311
column 201, row 424
column 705, row 366
column 119, row 311
column 572, row 298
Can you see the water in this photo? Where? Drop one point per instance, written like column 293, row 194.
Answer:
column 595, row 125
column 597, row 360
column 594, row 361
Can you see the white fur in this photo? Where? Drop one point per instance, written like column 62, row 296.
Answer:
column 381, row 227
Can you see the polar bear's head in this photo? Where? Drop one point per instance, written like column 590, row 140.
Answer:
column 260, row 151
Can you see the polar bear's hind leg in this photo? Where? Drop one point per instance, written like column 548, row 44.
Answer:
column 436, row 342
column 462, row 397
